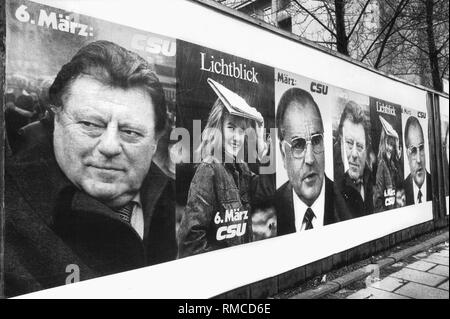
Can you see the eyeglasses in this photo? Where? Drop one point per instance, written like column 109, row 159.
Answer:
column 298, row 145
column 414, row 150
column 351, row 144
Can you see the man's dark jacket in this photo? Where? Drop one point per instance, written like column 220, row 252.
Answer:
column 52, row 227
column 216, row 190
column 357, row 206
column 335, row 208
column 409, row 189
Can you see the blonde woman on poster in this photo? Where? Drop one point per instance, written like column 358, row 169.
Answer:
column 389, row 177
column 224, row 190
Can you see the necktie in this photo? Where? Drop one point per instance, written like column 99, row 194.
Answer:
column 358, row 183
column 419, row 196
column 125, row 212
column 307, row 220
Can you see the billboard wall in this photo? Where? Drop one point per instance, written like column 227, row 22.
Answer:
column 237, row 147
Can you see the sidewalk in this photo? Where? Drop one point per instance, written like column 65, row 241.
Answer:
column 418, row 269
column 422, row 276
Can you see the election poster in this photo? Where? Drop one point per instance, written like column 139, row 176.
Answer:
column 387, row 141
column 89, row 109
column 224, row 105
column 445, row 154
column 353, row 155
column 305, row 198
column 417, row 184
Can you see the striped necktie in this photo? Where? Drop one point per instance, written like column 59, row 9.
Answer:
column 307, row 220
column 125, row 212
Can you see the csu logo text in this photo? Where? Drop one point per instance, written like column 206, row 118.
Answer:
column 319, row 88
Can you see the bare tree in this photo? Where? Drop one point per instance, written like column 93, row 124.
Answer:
column 338, row 17
column 408, row 38
column 417, row 48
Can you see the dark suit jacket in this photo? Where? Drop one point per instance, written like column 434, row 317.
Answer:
column 50, row 224
column 409, row 189
column 357, row 206
column 335, row 208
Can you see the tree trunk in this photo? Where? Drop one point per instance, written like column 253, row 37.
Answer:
column 341, row 36
column 432, row 51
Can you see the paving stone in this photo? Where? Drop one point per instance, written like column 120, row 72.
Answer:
column 437, row 259
column 419, row 277
column 421, row 255
column 418, row 291
column 388, row 284
column 373, row 293
column 421, row 265
column 442, row 253
column 439, row 254
column 439, row 270
column 444, row 286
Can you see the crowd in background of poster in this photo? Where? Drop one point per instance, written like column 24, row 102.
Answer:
column 338, row 154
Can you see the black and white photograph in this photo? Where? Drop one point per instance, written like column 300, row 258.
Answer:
column 200, row 151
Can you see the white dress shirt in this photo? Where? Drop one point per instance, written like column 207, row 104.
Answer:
column 423, row 189
column 318, row 207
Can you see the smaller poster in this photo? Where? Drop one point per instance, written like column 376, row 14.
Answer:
column 417, row 184
column 354, row 158
column 306, row 198
column 224, row 104
column 387, row 141
column 445, row 154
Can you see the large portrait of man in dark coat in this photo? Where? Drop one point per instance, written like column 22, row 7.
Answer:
column 352, row 170
column 83, row 197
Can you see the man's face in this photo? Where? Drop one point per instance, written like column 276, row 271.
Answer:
column 104, row 139
column 416, row 154
column 306, row 174
column 354, row 138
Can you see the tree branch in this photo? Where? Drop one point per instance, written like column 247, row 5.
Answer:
column 315, row 18
column 442, row 46
column 359, row 18
column 400, row 8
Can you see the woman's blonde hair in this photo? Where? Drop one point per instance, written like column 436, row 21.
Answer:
column 212, row 136
column 382, row 146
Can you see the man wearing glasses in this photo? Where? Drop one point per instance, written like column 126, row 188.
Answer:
column 352, row 174
column 309, row 199
column 418, row 183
